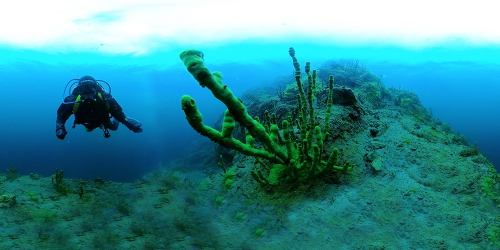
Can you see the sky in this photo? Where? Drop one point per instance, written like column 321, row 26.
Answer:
column 125, row 42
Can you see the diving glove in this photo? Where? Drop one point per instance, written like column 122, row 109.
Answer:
column 61, row 131
column 133, row 125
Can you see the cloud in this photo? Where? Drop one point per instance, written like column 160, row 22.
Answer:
column 141, row 27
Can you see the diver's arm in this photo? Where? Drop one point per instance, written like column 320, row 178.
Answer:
column 63, row 113
column 117, row 112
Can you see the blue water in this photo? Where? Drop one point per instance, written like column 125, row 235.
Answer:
column 459, row 83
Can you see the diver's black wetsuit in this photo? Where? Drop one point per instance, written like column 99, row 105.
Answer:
column 94, row 113
column 91, row 113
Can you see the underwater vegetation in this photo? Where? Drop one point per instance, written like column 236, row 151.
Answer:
column 325, row 158
column 158, row 212
column 391, row 159
column 294, row 153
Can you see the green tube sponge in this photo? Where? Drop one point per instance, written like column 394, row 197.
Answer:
column 195, row 119
column 332, row 160
column 228, row 124
column 296, row 64
column 314, row 165
column 319, row 137
column 274, row 133
column 250, row 141
column 193, row 60
column 328, row 105
column 288, row 140
column 259, row 177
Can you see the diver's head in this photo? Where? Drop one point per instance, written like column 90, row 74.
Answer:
column 87, row 86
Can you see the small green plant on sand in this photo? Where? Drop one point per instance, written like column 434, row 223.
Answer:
column 229, row 178
column 12, row 173
column 491, row 187
column 58, row 183
column 259, row 232
column 491, row 184
column 33, row 197
column 219, row 200
column 43, row 215
column 494, row 232
column 239, row 216
column 11, row 170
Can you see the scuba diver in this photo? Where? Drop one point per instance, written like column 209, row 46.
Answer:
column 93, row 107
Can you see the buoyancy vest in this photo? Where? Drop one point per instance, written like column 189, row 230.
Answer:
column 92, row 113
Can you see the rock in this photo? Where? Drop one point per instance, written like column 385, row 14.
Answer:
column 35, row 176
column 7, row 200
column 377, row 164
column 99, row 180
column 344, row 96
column 374, row 132
column 377, row 144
